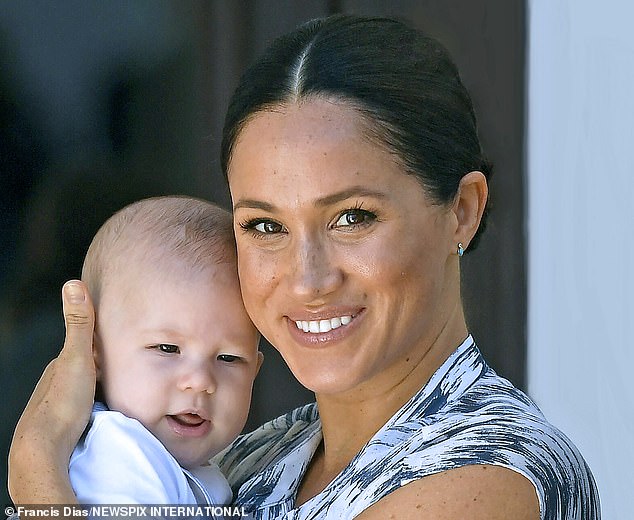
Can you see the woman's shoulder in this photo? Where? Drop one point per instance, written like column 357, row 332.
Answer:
column 512, row 429
column 489, row 423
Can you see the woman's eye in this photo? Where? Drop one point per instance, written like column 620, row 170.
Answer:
column 228, row 358
column 268, row 227
column 355, row 217
column 165, row 348
column 262, row 227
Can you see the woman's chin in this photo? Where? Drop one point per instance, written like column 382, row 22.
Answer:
column 324, row 378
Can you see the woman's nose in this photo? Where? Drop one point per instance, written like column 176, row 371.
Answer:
column 197, row 378
column 313, row 269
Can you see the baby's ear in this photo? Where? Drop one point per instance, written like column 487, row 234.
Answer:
column 259, row 362
column 96, row 356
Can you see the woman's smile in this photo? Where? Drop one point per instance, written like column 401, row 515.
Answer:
column 323, row 332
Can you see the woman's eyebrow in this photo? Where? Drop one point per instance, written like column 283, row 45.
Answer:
column 253, row 204
column 354, row 191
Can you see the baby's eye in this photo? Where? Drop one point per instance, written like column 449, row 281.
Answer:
column 228, row 358
column 166, row 348
column 355, row 217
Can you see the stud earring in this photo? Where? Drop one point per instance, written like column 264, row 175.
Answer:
column 460, row 250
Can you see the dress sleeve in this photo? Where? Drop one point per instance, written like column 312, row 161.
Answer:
column 533, row 448
column 120, row 462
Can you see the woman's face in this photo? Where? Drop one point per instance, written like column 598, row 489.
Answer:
column 346, row 266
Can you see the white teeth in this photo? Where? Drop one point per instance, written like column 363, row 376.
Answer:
column 317, row 326
column 303, row 325
column 324, row 326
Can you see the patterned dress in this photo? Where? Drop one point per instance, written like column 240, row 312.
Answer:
column 465, row 414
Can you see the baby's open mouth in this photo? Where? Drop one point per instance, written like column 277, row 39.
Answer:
column 188, row 419
column 189, row 424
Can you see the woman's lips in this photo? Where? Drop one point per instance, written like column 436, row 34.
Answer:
column 189, row 424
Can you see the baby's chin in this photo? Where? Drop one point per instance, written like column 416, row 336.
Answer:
column 191, row 461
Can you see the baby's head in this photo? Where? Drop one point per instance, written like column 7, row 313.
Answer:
column 174, row 346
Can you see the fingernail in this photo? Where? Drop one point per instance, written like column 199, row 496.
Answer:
column 74, row 292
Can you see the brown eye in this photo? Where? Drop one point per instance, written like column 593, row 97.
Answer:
column 165, row 348
column 262, row 227
column 268, row 227
column 355, row 217
column 228, row 358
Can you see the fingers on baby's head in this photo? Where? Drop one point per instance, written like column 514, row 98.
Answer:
column 78, row 315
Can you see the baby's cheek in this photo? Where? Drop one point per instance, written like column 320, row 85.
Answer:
column 236, row 408
column 132, row 396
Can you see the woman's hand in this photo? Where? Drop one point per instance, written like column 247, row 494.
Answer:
column 57, row 412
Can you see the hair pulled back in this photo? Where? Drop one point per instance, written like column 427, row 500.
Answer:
column 404, row 85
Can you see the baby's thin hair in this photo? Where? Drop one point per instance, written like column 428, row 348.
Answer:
column 194, row 232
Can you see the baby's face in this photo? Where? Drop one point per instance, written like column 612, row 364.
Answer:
column 179, row 354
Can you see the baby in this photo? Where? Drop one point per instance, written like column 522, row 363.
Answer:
column 176, row 356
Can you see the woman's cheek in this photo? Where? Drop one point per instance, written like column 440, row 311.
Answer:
column 377, row 260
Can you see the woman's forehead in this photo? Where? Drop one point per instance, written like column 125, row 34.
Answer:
column 279, row 140
column 302, row 122
column 302, row 140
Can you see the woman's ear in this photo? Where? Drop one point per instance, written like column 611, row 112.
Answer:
column 469, row 205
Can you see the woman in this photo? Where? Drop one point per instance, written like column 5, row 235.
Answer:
column 357, row 182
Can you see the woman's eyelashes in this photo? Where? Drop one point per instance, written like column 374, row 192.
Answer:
column 352, row 219
column 262, row 227
column 347, row 220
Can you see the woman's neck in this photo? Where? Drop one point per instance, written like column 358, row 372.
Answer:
column 351, row 419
